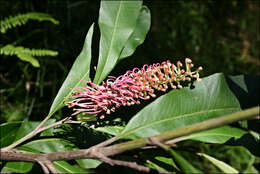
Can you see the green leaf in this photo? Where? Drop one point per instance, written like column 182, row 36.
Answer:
column 47, row 145
column 168, row 161
column 185, row 166
column 65, row 167
column 218, row 135
column 50, row 145
column 209, row 98
column 161, row 163
column 88, row 163
column 117, row 21
column 157, row 167
column 8, row 133
column 78, row 73
column 17, row 167
column 29, row 126
column 137, row 37
column 220, row 164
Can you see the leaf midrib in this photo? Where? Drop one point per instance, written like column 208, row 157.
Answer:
column 173, row 118
column 112, row 39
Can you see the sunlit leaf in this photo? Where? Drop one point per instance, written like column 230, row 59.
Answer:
column 117, row 21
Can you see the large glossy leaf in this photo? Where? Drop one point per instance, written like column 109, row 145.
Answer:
column 137, row 37
column 208, row 99
column 218, row 135
column 183, row 164
column 78, row 73
column 117, row 21
column 17, row 167
column 220, row 164
column 8, row 133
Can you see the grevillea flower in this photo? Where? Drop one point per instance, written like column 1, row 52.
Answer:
column 130, row 88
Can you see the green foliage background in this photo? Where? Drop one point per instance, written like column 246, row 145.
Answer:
column 221, row 36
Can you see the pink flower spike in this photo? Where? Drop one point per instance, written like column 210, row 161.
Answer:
column 129, row 88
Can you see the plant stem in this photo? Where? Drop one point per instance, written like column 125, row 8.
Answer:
column 28, row 136
column 95, row 152
column 202, row 126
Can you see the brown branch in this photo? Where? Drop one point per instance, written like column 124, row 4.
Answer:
column 44, row 168
column 156, row 142
column 65, row 120
column 113, row 162
column 132, row 165
column 39, row 129
column 51, row 167
column 102, row 151
column 105, row 143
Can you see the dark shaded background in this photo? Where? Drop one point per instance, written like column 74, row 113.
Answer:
column 222, row 36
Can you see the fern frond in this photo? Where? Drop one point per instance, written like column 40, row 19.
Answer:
column 21, row 19
column 26, row 54
column 11, row 50
column 29, row 58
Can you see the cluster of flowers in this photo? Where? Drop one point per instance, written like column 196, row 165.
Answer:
column 129, row 88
